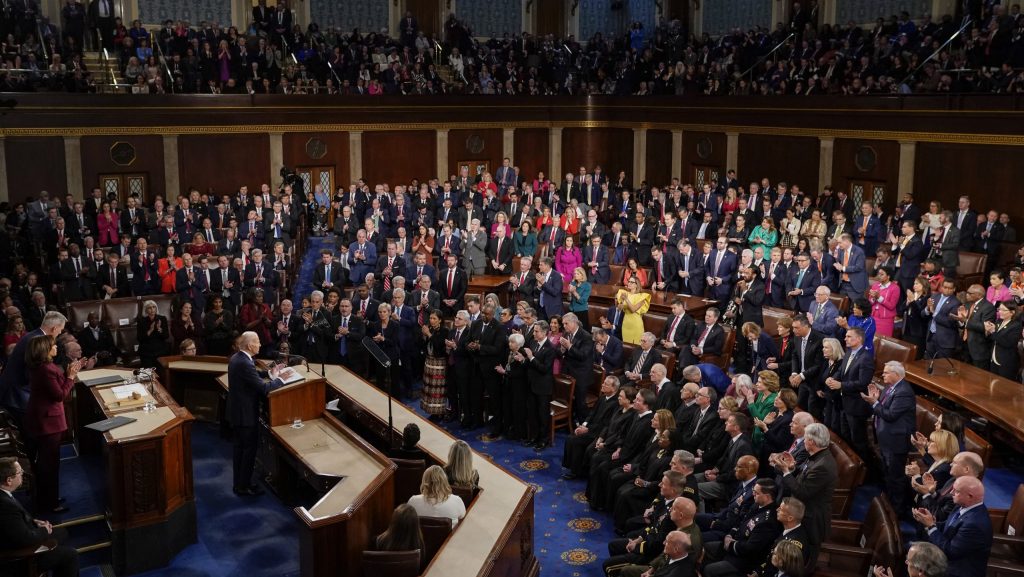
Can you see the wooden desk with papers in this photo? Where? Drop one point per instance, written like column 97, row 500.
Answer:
column 148, row 464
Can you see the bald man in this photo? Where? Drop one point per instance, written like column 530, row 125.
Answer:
column 246, row 386
column 966, row 535
column 682, row 513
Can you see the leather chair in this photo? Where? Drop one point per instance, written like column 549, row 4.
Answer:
column 391, row 563
column 842, row 303
column 163, row 304
column 853, row 547
column 467, row 494
column 120, row 313
column 561, row 404
column 1003, row 569
column 928, row 412
column 408, row 478
column 615, row 278
column 595, row 312
column 655, row 323
column 543, row 250
column 650, row 276
column 851, row 471
column 771, row 319
column 1007, row 524
column 127, row 341
column 971, row 269
column 892, row 349
column 435, row 532
column 22, row 562
column 723, row 360
column 78, row 313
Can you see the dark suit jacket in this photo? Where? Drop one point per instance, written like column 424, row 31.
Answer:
column 895, row 418
column 320, row 275
column 855, row 377
column 694, row 283
column 636, row 438
column 459, row 284
column 17, row 528
column 946, row 328
column 749, row 310
column 611, row 358
column 814, row 484
column 578, row 361
column 246, row 386
column 103, row 278
column 652, row 359
column 397, row 267
column 977, row 340
column 911, row 258
column 603, row 273
column 727, row 465
column 807, row 286
column 539, row 370
column 966, row 541
column 552, row 291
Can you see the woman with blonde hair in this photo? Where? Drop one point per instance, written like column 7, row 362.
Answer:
column 831, row 396
column 436, row 498
column 459, row 471
column 942, row 447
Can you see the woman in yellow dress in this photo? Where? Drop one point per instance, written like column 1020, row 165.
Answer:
column 633, row 305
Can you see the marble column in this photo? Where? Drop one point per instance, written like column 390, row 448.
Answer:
column 73, row 167
column 905, row 185
column 826, row 148
column 4, row 192
column 442, row 171
column 276, row 155
column 639, row 155
column 172, row 173
column 677, row 155
column 732, row 151
column 355, row 154
column 555, row 153
column 508, row 144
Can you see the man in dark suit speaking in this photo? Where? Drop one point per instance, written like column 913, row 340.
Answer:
column 246, row 386
column 19, row 530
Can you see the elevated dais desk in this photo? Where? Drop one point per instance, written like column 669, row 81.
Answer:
column 150, row 494
column 496, row 536
column 999, row 400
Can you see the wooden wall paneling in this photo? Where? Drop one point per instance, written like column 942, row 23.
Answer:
column 702, row 149
column 97, row 159
column 659, row 157
column 299, row 152
column 990, row 175
column 793, row 160
column 886, row 168
column 398, row 156
column 224, row 162
column 35, row 164
column 531, row 152
column 481, row 145
column 612, row 148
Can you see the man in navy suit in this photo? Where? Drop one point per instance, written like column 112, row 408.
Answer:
column 246, row 386
column 550, row 283
column 909, row 253
column 607, row 350
column 856, row 372
column 553, row 235
column 362, row 258
column 328, row 273
column 894, row 415
column 408, row 330
column 867, row 228
column 447, row 244
column 420, row 267
column 596, row 261
column 19, row 530
column 720, row 271
column 689, row 270
column 823, row 313
column 853, row 275
column 966, row 535
column 452, row 286
column 802, row 282
column 943, row 329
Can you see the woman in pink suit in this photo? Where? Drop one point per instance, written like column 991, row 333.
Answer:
column 107, row 223
column 884, row 295
column 568, row 258
column 44, row 417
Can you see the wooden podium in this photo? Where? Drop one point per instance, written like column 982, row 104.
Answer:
column 356, row 480
column 150, row 496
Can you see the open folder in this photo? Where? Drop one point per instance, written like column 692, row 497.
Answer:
column 111, row 423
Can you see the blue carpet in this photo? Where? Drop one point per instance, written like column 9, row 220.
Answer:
column 304, row 282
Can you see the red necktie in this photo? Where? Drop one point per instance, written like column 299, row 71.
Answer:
column 704, row 335
column 672, row 329
column 553, row 231
column 451, row 280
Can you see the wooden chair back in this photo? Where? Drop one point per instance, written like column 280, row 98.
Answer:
column 408, row 478
column 435, row 531
column 851, row 471
column 928, row 412
column 561, row 403
column 391, row 563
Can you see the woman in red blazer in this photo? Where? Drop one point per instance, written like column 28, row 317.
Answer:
column 44, row 417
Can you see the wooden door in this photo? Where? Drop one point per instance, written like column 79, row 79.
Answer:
column 427, row 14
column 704, row 175
column 125, row 185
column 551, row 17
column 867, row 190
column 322, row 175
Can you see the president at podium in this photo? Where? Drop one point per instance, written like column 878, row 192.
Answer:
column 246, row 386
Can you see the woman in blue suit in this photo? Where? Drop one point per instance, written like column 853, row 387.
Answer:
column 579, row 297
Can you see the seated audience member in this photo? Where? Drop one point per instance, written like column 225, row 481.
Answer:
column 410, row 444
column 19, row 530
column 746, row 545
column 403, row 533
column 436, row 498
column 459, row 471
column 187, row 348
column 923, row 560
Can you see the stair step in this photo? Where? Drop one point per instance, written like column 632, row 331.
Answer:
column 82, row 520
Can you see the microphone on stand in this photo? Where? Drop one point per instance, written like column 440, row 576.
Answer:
column 931, row 363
